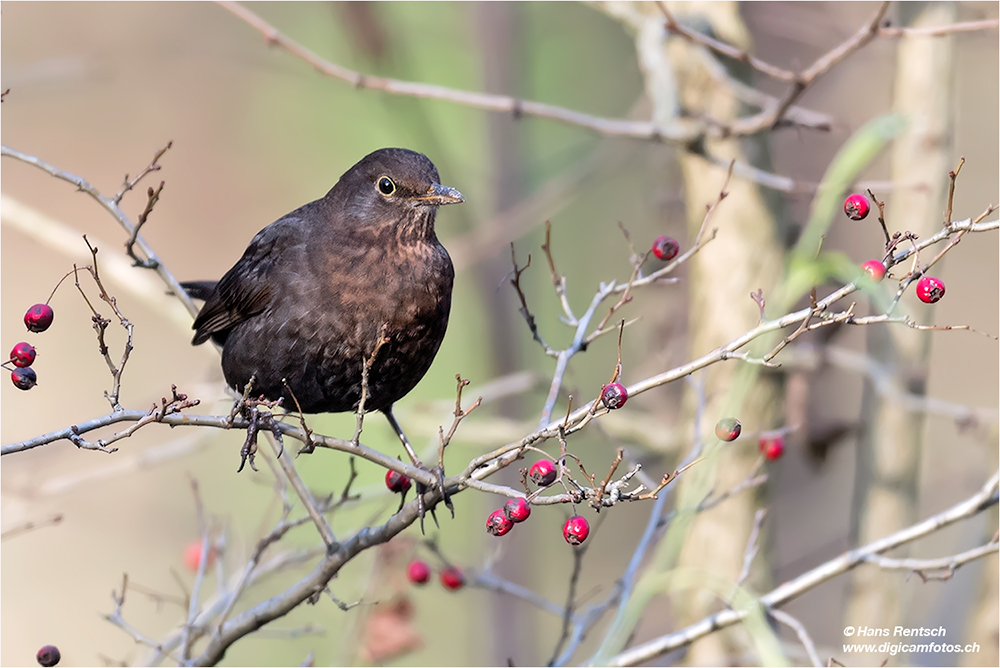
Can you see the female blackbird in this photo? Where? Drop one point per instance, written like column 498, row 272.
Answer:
column 307, row 303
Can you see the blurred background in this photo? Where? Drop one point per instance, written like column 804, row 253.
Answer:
column 97, row 88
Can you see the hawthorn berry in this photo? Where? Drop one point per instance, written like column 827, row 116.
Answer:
column 497, row 524
column 517, row 509
column 856, row 206
column 24, row 379
column 542, row 473
column 875, row 269
column 728, row 429
column 418, row 572
column 452, row 578
column 23, row 354
column 192, row 556
column 772, row 447
column 930, row 289
column 397, row 482
column 665, row 248
column 48, row 656
column 38, row 318
column 576, row 530
column 614, row 396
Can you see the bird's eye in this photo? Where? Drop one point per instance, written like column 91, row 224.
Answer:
column 386, row 186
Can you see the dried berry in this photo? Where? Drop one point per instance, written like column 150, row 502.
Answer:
column 665, row 248
column 38, row 318
column 517, row 509
column 614, row 396
column 418, row 572
column 856, row 206
column 728, row 429
column 930, row 289
column 24, row 379
column 772, row 447
column 397, row 482
column 498, row 524
column 452, row 578
column 576, row 530
column 875, row 269
column 542, row 473
column 48, row 656
column 23, row 354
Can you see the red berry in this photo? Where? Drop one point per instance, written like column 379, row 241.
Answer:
column 23, row 354
column 48, row 656
column 772, row 447
column 38, row 318
column 614, row 396
column 930, row 289
column 665, row 248
column 728, row 429
column 856, row 206
column 497, row 523
column 397, row 482
column 24, row 379
column 192, row 556
column 517, row 509
column 875, row 269
column 452, row 578
column 418, row 572
column 576, row 530
column 542, row 473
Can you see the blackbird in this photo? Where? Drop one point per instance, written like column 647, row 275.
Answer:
column 316, row 290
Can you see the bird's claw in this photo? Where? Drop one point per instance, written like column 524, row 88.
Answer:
column 439, row 486
column 258, row 419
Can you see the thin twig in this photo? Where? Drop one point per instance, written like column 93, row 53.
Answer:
column 801, row 632
column 111, row 206
column 985, row 498
column 31, row 526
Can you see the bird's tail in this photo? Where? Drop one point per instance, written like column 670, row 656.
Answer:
column 199, row 289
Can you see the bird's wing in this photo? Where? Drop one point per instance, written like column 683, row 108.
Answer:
column 244, row 291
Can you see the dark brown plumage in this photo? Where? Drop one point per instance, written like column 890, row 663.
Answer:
column 305, row 303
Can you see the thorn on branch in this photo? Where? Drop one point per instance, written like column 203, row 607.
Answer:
column 758, row 297
column 881, row 216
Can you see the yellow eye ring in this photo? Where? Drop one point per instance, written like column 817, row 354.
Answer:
column 386, row 186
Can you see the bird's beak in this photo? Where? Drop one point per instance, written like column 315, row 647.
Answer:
column 439, row 195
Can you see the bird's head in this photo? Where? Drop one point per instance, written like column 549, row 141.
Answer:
column 393, row 187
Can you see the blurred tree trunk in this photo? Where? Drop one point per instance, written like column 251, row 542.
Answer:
column 497, row 30
column 888, row 462
column 746, row 255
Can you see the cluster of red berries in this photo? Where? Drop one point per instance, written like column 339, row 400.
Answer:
column 22, row 356
column 502, row 520
column 419, row 573
column 543, row 473
column 48, row 656
column 929, row 289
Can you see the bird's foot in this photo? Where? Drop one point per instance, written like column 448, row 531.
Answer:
column 439, row 486
column 258, row 419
